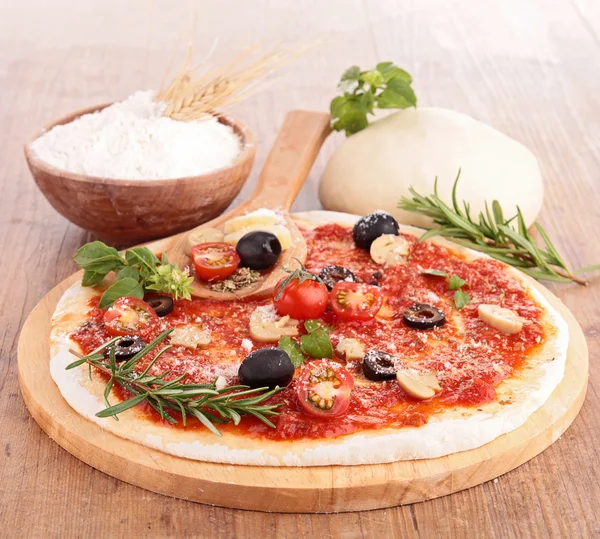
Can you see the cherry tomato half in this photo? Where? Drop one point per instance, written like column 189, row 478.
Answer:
column 129, row 316
column 301, row 300
column 356, row 301
column 323, row 389
column 214, row 261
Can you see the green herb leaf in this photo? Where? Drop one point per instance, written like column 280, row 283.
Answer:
column 317, row 344
column 434, row 273
column 386, row 86
column 373, row 78
column 313, row 325
column 293, row 350
column 122, row 406
column 390, row 71
column 122, row 288
column 171, row 280
column 595, row 267
column 352, row 73
column 89, row 255
column 461, row 299
column 127, row 272
column 92, row 278
column 142, row 257
column 350, row 113
column 397, row 95
column 456, row 283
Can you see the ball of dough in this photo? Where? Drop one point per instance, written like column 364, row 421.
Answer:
column 374, row 168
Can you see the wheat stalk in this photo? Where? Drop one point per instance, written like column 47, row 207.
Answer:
column 190, row 98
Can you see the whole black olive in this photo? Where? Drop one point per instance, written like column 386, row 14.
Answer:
column 259, row 250
column 162, row 305
column 332, row 275
column 126, row 347
column 379, row 365
column 370, row 227
column 423, row 316
column 267, row 367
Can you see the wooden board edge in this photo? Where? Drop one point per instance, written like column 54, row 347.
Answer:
column 336, row 496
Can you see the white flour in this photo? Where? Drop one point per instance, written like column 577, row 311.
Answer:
column 131, row 140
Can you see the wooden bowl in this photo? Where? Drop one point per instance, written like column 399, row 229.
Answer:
column 125, row 212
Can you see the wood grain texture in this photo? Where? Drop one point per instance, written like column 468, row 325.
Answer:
column 528, row 67
column 323, row 489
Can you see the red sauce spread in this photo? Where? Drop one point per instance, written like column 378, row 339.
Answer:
column 468, row 357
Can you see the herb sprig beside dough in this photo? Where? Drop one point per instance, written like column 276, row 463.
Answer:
column 137, row 272
column 492, row 233
column 385, row 87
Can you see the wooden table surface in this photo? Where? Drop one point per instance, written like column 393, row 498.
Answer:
column 531, row 68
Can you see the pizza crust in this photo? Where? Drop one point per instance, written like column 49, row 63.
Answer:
column 453, row 431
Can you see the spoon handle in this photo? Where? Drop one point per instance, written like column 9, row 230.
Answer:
column 290, row 159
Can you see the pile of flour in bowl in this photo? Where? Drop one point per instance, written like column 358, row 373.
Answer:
column 131, row 140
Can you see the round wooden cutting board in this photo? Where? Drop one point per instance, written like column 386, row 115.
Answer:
column 286, row 489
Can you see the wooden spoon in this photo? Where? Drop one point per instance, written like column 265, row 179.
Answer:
column 283, row 174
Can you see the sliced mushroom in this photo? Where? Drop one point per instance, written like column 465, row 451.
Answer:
column 190, row 336
column 204, row 235
column 502, row 319
column 257, row 218
column 419, row 386
column 265, row 329
column 350, row 349
column 390, row 250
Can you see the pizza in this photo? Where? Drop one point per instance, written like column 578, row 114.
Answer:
column 403, row 349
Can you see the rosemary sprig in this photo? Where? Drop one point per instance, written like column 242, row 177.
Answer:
column 203, row 401
column 492, row 233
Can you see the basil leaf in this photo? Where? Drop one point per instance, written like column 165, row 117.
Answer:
column 391, row 71
column 373, row 78
column 434, row 273
column 351, row 112
column 292, row 348
column 122, row 288
column 141, row 256
column 397, row 95
column 313, row 325
column 455, row 283
column 127, row 272
column 461, row 299
column 92, row 278
column 317, row 344
column 352, row 73
column 93, row 251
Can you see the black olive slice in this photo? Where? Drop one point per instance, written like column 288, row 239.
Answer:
column 370, row 227
column 379, row 365
column 267, row 367
column 332, row 275
column 423, row 316
column 162, row 305
column 259, row 250
column 126, row 347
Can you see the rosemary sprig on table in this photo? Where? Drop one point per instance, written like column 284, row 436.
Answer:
column 493, row 234
column 203, row 401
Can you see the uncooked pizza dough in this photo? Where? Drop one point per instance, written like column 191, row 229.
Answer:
column 456, row 429
column 374, row 168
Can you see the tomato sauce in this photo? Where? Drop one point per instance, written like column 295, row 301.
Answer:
column 468, row 357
